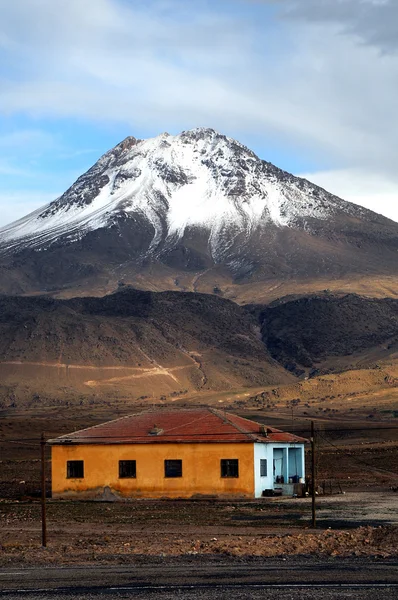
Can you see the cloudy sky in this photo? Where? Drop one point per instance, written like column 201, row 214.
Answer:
column 310, row 85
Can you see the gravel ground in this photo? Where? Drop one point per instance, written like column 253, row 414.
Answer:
column 118, row 533
column 353, row 508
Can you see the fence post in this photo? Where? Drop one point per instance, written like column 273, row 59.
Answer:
column 43, row 493
column 313, row 473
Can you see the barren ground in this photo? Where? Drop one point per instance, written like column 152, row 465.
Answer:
column 84, row 532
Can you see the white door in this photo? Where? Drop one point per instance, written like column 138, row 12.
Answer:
column 278, row 464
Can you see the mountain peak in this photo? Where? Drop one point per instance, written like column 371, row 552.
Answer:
column 200, row 133
column 126, row 144
column 199, row 199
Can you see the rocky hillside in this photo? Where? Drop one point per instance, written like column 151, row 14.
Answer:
column 130, row 344
column 134, row 345
column 323, row 333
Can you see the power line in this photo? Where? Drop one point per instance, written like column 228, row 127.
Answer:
column 348, row 430
column 358, row 460
column 21, row 442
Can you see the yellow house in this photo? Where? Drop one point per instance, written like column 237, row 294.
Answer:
column 175, row 453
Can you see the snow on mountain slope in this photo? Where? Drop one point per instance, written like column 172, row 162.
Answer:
column 164, row 212
column 198, row 178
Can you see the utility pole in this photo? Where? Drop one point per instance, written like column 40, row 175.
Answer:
column 43, row 493
column 313, row 473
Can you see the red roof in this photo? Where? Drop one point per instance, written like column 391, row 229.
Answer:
column 178, row 425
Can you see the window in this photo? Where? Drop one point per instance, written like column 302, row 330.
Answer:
column 173, row 468
column 229, row 467
column 263, row 467
column 75, row 469
column 127, row 469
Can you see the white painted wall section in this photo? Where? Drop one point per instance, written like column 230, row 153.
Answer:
column 282, row 459
column 262, row 452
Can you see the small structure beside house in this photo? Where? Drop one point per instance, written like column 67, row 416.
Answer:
column 176, row 453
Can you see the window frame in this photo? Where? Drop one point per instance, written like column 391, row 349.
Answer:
column 124, row 466
column 263, row 462
column 171, row 470
column 74, row 464
column 229, row 468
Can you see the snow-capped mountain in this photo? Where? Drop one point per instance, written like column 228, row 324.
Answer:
column 196, row 179
column 195, row 201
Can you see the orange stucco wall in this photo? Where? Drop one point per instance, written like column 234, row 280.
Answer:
column 200, row 470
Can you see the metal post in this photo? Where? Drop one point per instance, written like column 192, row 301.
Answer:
column 43, row 494
column 313, row 473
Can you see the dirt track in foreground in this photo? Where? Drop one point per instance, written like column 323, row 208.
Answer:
column 85, row 532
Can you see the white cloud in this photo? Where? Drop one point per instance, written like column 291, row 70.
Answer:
column 35, row 138
column 111, row 60
column 171, row 65
column 371, row 21
column 20, row 150
column 17, row 204
column 367, row 189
